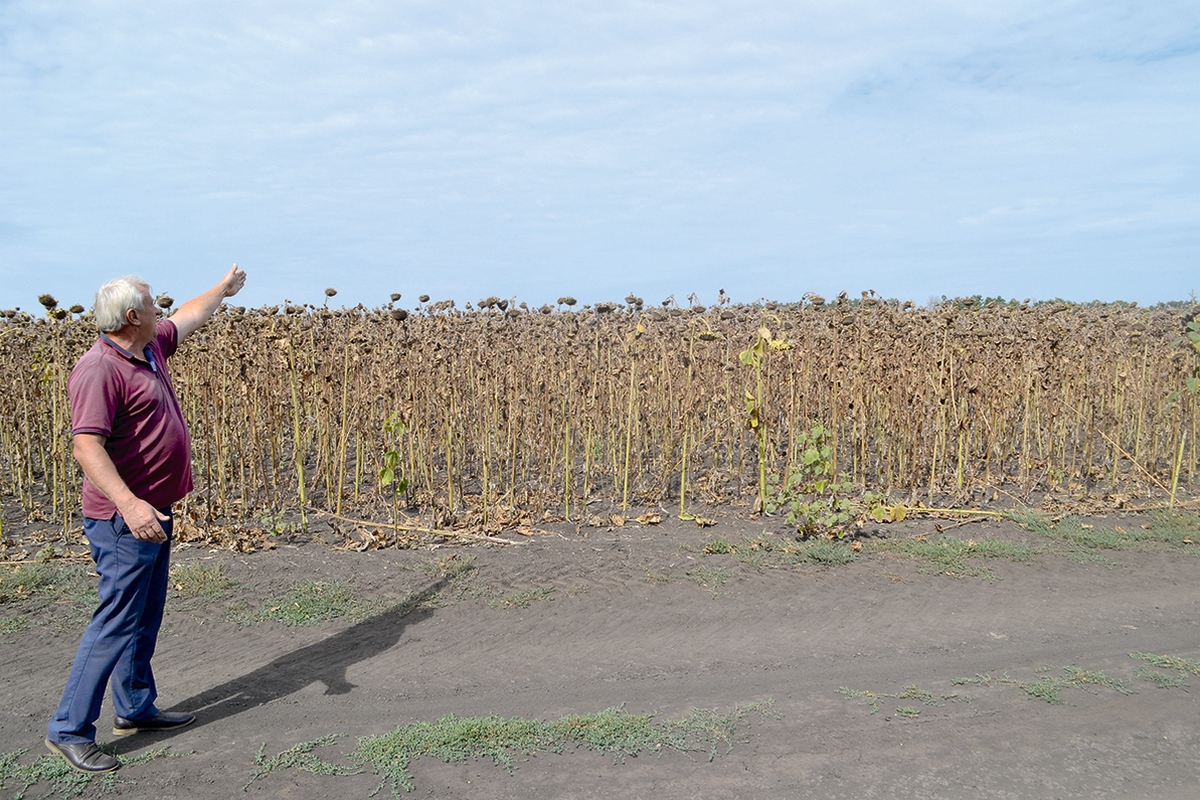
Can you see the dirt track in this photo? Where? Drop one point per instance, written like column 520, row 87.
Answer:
column 626, row 624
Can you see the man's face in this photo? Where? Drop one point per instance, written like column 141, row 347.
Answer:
column 146, row 318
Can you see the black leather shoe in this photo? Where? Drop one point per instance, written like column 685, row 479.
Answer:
column 85, row 757
column 162, row 721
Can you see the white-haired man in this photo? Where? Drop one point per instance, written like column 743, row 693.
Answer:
column 131, row 441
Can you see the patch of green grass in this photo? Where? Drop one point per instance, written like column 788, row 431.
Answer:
column 200, row 579
column 825, row 553
column 716, row 547
column 312, row 603
column 503, row 741
column 13, row 625
column 50, row 771
column 711, row 578
column 454, row 565
column 300, row 757
column 707, row 729
column 523, row 598
column 1185, row 666
column 766, row 552
column 53, row 593
column 1175, row 530
column 1079, row 534
column 1165, row 672
column 1047, row 686
column 1092, row 558
column 956, row 557
column 1182, row 667
column 26, row 580
column 59, row 779
column 1161, row 680
column 1180, row 529
column 656, row 577
column 875, row 699
column 1030, row 520
column 463, row 582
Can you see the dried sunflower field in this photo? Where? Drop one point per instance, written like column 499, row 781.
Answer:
column 499, row 414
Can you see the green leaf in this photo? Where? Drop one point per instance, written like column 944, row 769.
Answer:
column 386, row 476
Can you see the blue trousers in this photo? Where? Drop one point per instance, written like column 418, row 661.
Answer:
column 120, row 639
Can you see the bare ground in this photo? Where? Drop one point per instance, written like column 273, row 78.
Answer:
column 641, row 616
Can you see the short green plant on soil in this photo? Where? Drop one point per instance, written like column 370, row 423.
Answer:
column 28, row 580
column 711, row 578
column 874, row 700
column 200, row 579
column 523, row 598
column 766, row 552
column 59, row 779
column 277, row 524
column 1048, row 684
column 810, row 496
column 1084, row 541
column 1166, row 672
column 456, row 576
column 1050, row 681
column 29, row 591
column 504, row 741
column 312, row 603
column 956, row 557
column 300, row 757
column 452, row 566
column 814, row 499
column 654, row 576
column 463, row 582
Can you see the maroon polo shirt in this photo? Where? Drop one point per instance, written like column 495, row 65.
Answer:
column 130, row 400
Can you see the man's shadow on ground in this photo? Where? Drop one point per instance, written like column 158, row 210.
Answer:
column 326, row 661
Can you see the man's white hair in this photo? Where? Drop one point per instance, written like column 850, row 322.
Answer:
column 115, row 298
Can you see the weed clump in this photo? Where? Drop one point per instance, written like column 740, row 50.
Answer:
column 503, row 740
column 956, row 557
column 312, row 603
column 200, row 579
column 1171, row 529
column 764, row 552
column 60, row 779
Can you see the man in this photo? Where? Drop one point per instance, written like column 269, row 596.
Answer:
column 131, row 441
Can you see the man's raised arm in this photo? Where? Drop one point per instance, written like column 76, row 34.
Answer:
column 195, row 312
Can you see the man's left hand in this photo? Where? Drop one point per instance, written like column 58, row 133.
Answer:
column 233, row 281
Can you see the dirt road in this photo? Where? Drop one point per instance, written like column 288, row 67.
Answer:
column 887, row 678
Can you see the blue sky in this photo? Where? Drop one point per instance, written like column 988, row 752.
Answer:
column 533, row 149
